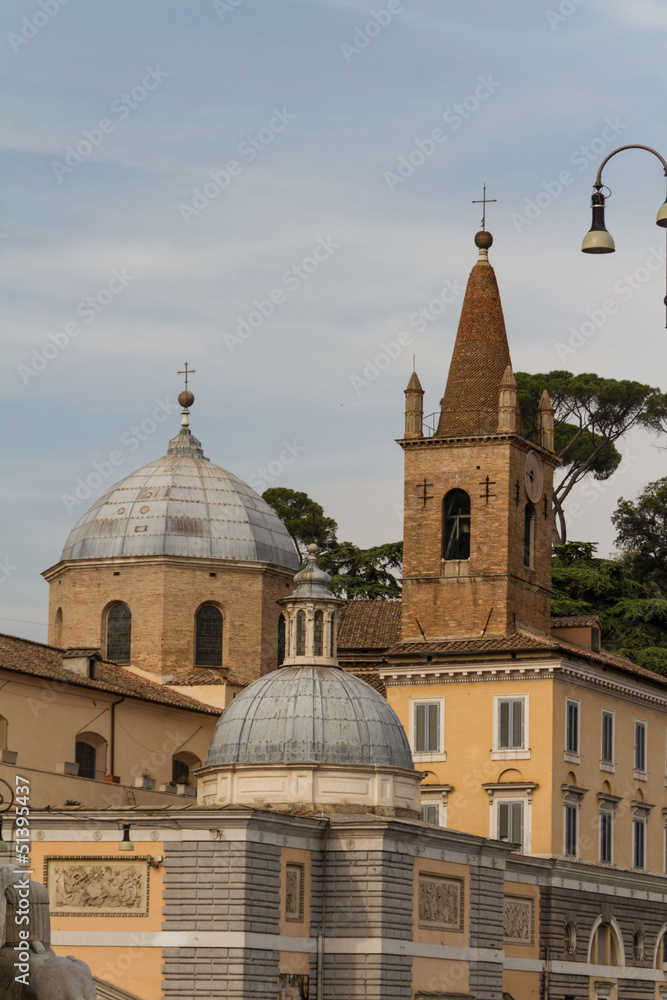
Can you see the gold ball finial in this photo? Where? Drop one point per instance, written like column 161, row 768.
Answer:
column 483, row 239
column 186, row 399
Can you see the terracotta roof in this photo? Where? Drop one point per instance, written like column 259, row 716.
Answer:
column 513, row 643
column 575, row 621
column 610, row 660
column 201, row 676
column 38, row 660
column 481, row 355
column 371, row 676
column 524, row 642
column 370, row 624
column 374, row 625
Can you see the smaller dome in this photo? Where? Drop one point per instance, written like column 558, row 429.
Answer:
column 310, row 715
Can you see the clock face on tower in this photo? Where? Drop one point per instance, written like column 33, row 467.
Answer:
column 533, row 476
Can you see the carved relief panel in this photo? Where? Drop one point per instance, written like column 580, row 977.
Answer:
column 519, row 920
column 97, row 887
column 440, row 900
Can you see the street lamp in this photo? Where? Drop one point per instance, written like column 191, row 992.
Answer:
column 597, row 239
column 5, row 804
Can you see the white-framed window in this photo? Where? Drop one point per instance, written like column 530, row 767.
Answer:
column 434, row 804
column 510, row 727
column 605, row 948
column 639, row 841
column 571, row 830
column 431, row 813
column 510, row 821
column 572, row 732
column 640, row 749
column 607, row 741
column 510, row 812
column 427, row 728
column 606, row 836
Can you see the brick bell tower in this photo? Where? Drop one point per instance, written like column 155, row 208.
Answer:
column 478, row 495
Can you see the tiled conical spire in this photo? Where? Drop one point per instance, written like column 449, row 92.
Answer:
column 481, row 355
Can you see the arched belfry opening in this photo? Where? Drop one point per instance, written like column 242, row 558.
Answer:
column 456, row 525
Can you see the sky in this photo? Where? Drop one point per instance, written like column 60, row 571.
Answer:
column 280, row 193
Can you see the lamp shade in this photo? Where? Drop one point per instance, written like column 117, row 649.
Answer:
column 661, row 219
column 597, row 239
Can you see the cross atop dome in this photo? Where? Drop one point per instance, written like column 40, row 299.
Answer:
column 186, row 398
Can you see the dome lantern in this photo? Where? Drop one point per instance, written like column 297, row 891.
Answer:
column 311, row 617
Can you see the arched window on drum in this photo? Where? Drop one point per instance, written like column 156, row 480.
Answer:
column 119, row 633
column 208, row 636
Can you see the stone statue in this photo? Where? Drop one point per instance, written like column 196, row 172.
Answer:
column 29, row 968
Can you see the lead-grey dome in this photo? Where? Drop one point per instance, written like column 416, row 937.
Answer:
column 309, row 715
column 182, row 505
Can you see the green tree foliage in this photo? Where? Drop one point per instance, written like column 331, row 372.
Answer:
column 591, row 414
column 641, row 527
column 364, row 572
column 354, row 572
column 631, row 609
column 303, row 518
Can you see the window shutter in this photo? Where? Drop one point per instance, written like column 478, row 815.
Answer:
column 571, row 831
column 504, row 725
column 572, row 727
column 420, row 728
column 517, row 723
column 517, row 823
column 640, row 746
column 433, row 727
column 503, row 820
column 607, row 737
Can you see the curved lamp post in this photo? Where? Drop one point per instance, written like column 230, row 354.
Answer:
column 6, row 803
column 597, row 239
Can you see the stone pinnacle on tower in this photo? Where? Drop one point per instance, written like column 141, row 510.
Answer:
column 414, row 408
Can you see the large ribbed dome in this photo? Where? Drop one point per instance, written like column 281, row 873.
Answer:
column 309, row 715
column 182, row 505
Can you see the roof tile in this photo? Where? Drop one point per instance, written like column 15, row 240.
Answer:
column 38, row 660
column 481, row 356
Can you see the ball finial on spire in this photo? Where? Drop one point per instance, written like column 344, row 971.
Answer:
column 483, row 239
column 186, row 398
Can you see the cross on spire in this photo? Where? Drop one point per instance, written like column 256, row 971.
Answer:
column 192, row 371
column 483, row 201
